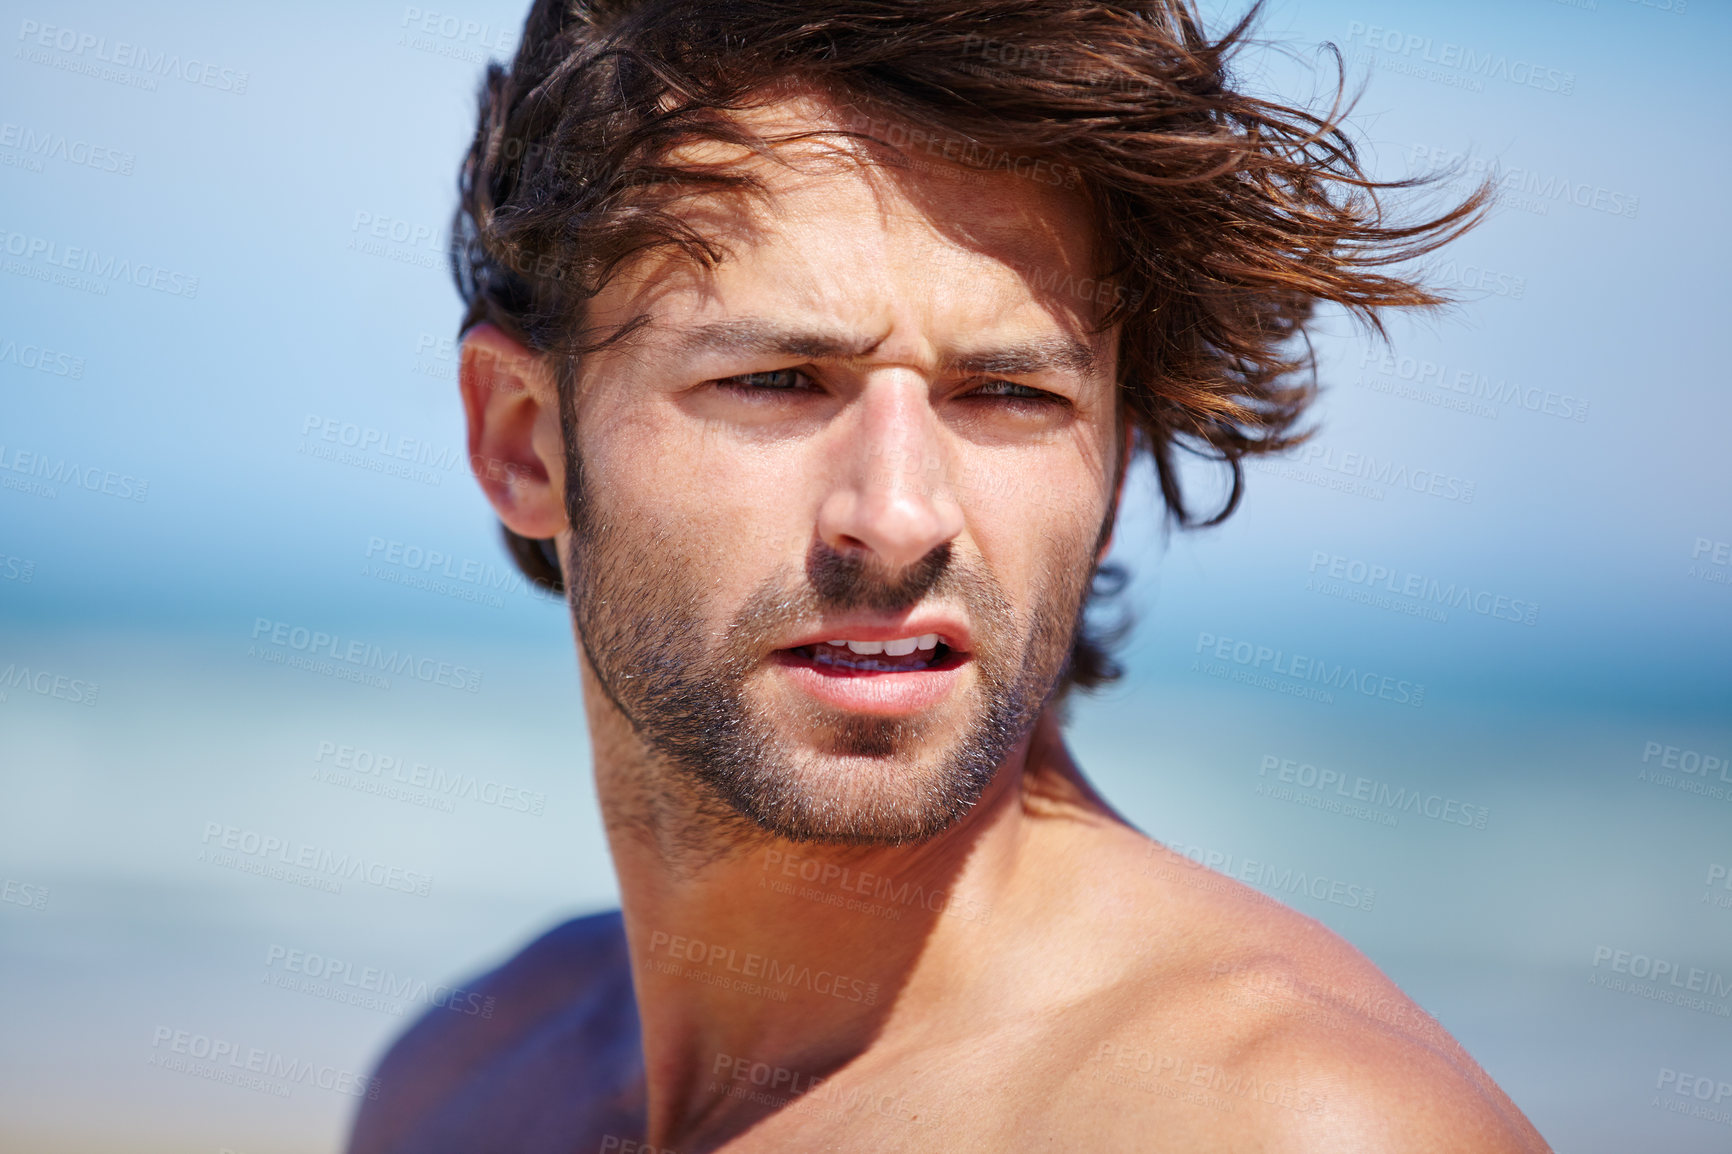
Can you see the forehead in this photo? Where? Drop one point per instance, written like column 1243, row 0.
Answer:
column 851, row 234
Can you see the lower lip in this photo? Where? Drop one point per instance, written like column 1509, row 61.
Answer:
column 868, row 691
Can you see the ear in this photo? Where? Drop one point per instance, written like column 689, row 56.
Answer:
column 512, row 406
column 1124, row 469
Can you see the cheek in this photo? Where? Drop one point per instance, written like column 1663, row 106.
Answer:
column 729, row 511
column 1038, row 540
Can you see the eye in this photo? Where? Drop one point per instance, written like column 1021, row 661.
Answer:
column 1012, row 391
column 769, row 382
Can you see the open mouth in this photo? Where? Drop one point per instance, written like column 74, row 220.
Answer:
column 843, row 658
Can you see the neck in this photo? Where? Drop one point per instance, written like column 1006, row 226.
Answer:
column 748, row 949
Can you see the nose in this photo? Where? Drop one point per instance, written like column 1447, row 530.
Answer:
column 890, row 493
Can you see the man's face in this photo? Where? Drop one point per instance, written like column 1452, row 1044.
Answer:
column 835, row 510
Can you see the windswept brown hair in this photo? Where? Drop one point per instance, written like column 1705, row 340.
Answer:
column 1224, row 218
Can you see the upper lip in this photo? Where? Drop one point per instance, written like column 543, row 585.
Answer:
column 951, row 631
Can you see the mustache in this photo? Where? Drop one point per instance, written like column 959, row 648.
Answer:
column 842, row 581
column 836, row 582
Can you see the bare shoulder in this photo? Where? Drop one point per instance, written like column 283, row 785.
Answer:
column 542, row 1050
column 1238, row 1022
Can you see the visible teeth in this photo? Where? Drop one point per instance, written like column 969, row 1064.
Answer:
column 860, row 653
column 900, row 647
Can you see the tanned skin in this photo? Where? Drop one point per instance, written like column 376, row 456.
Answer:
column 1058, row 981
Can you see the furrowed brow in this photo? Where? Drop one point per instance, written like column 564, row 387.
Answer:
column 756, row 336
column 1050, row 354
column 751, row 335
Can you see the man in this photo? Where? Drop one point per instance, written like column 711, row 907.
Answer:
column 807, row 349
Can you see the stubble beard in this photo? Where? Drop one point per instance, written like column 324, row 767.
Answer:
column 722, row 764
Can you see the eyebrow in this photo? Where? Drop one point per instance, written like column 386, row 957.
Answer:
column 752, row 335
